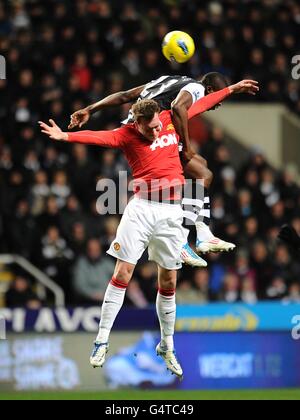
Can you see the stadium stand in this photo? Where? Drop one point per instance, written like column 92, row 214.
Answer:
column 93, row 48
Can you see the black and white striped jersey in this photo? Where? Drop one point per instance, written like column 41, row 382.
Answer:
column 165, row 89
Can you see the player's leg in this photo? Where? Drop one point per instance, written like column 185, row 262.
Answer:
column 198, row 180
column 166, row 312
column 132, row 238
column 114, row 298
column 164, row 249
column 197, row 168
column 166, row 306
column 196, row 203
column 112, row 303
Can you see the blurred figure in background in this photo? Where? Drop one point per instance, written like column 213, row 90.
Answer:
column 56, row 257
column 21, row 295
column 90, row 274
column 230, row 292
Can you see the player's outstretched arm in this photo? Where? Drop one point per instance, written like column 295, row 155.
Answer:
column 210, row 101
column 53, row 131
column 245, row 86
column 81, row 117
column 106, row 138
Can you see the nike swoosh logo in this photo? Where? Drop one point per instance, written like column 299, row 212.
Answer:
column 168, row 313
column 110, row 301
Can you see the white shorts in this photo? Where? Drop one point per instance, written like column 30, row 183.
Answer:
column 157, row 226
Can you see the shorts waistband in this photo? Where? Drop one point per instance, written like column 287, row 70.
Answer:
column 161, row 196
column 171, row 201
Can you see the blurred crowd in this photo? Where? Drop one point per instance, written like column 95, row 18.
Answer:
column 63, row 55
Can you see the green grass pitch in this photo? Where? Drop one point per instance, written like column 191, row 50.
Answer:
column 284, row 394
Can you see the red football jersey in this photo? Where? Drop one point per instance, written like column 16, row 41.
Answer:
column 155, row 164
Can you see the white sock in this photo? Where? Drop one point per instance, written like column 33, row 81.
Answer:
column 112, row 303
column 203, row 232
column 166, row 311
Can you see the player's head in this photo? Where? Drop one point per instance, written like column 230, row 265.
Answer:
column 146, row 117
column 213, row 82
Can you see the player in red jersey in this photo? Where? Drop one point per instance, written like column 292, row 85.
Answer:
column 150, row 145
column 145, row 222
column 183, row 93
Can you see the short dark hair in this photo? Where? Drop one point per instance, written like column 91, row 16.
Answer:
column 215, row 80
column 145, row 109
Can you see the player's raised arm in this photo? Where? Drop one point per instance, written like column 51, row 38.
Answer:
column 108, row 138
column 245, row 86
column 81, row 117
column 210, row 101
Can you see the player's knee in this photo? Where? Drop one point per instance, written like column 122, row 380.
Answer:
column 167, row 280
column 204, row 162
column 209, row 176
column 168, row 285
column 123, row 272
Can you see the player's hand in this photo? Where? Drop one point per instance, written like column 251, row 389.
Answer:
column 289, row 235
column 79, row 118
column 53, row 131
column 245, row 86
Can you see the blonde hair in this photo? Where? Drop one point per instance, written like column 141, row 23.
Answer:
column 145, row 109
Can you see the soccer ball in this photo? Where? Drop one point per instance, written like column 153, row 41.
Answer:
column 178, row 46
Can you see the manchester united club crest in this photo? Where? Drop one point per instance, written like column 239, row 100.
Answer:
column 117, row 247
